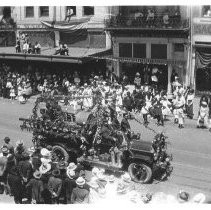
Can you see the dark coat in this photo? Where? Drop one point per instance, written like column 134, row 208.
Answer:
column 15, row 182
column 70, row 184
column 36, row 186
column 125, row 126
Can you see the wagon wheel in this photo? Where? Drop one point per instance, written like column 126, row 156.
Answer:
column 59, row 154
column 140, row 172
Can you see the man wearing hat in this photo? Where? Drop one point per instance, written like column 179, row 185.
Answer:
column 36, row 186
column 55, row 185
column 137, row 80
column 80, row 195
column 8, row 145
column 70, row 184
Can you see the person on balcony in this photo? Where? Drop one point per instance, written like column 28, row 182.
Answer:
column 25, row 47
column 150, row 18
column 37, row 48
column 69, row 14
column 166, row 20
column 18, row 45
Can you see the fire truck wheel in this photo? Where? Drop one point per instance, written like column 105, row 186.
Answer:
column 140, row 172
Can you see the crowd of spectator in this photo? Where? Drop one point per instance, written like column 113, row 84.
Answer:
column 148, row 18
column 23, row 45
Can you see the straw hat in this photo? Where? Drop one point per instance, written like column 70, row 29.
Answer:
column 45, row 152
column 37, row 174
column 4, row 150
column 126, row 178
column 121, row 188
column 44, row 168
column 80, row 181
column 111, row 178
column 70, row 174
column 95, row 171
column 199, row 198
column 72, row 166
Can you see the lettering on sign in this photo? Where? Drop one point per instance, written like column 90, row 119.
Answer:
column 30, row 26
column 204, row 29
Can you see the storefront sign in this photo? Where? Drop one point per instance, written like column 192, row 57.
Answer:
column 204, row 29
column 31, row 26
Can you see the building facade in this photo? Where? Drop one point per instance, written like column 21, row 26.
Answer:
column 140, row 41
column 29, row 20
column 201, row 52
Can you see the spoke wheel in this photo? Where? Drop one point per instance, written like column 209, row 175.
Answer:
column 140, row 172
column 59, row 154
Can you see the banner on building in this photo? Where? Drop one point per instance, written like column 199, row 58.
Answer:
column 202, row 59
column 67, row 27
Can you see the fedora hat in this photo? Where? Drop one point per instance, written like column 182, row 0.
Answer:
column 37, row 174
column 95, row 171
column 56, row 172
column 44, row 168
column 93, row 185
column 199, row 198
column 126, row 178
column 70, row 173
column 121, row 188
column 4, row 150
column 62, row 165
column 80, row 181
column 182, row 196
column 72, row 166
column 111, row 178
column 45, row 160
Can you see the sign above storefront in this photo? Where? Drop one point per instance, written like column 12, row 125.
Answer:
column 203, row 29
column 31, row 26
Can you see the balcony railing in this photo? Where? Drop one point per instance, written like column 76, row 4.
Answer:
column 174, row 22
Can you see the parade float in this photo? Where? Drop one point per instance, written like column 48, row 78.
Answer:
column 72, row 141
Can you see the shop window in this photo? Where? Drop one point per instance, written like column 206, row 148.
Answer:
column 29, row 12
column 178, row 47
column 72, row 10
column 125, row 50
column 206, row 11
column 44, row 11
column 159, row 51
column 88, row 10
column 139, row 50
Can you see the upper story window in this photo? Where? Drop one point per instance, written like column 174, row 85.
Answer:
column 44, row 11
column 88, row 10
column 71, row 10
column 206, row 11
column 125, row 50
column 29, row 12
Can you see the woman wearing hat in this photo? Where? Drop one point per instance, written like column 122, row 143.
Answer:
column 203, row 113
column 36, row 186
column 137, row 80
column 80, row 195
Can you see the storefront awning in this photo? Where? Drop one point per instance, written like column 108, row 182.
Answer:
column 76, row 55
column 142, row 60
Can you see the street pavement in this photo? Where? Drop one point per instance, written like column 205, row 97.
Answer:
column 190, row 148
